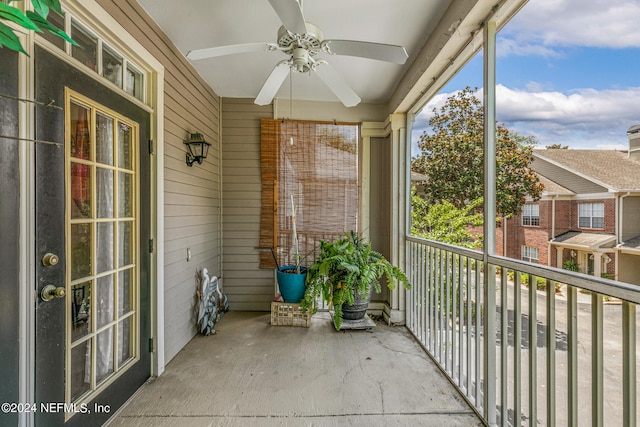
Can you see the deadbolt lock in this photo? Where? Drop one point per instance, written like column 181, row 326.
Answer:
column 49, row 259
column 50, row 292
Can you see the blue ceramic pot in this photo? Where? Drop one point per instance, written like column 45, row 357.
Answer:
column 291, row 284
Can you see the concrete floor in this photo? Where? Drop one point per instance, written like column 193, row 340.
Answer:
column 252, row 373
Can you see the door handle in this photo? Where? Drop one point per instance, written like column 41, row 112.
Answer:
column 50, row 292
column 49, row 259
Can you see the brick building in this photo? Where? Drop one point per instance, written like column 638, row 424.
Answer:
column 589, row 213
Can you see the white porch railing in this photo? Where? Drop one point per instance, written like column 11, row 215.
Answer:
column 564, row 344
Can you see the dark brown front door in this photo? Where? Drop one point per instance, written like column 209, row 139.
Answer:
column 92, row 230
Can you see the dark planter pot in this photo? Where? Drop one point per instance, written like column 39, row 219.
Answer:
column 357, row 310
column 291, row 284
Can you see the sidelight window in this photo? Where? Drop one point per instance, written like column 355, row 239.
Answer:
column 93, row 52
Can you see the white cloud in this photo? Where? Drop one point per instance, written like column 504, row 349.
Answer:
column 517, row 47
column 580, row 117
column 576, row 106
column 544, row 25
column 583, row 118
column 619, row 147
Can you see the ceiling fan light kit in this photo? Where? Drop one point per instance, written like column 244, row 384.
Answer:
column 302, row 41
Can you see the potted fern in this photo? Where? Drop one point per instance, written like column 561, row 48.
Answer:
column 343, row 275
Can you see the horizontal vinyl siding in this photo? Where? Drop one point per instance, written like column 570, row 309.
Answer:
column 567, row 179
column 192, row 194
column 628, row 268
column 630, row 215
column 248, row 287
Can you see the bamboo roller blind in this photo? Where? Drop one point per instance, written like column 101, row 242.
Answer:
column 320, row 172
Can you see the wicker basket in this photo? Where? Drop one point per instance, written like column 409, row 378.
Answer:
column 288, row 314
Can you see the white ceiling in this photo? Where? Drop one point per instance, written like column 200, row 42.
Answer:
column 197, row 24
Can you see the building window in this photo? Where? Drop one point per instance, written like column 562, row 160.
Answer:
column 134, row 82
column 531, row 214
column 57, row 21
column 530, row 254
column 96, row 54
column 112, row 66
column 591, row 215
column 87, row 49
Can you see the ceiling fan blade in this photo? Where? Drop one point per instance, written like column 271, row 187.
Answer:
column 273, row 83
column 379, row 51
column 337, row 85
column 212, row 52
column 290, row 14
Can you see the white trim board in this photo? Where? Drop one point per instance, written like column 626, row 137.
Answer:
column 107, row 27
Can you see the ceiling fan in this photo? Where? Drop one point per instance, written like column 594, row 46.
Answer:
column 302, row 41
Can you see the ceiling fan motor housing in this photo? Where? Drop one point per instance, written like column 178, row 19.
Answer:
column 311, row 40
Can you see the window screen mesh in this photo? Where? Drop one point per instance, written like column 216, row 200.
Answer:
column 318, row 174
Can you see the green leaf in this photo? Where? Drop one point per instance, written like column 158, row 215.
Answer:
column 9, row 39
column 12, row 14
column 53, row 4
column 43, row 23
column 41, row 8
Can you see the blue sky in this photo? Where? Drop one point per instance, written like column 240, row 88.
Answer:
column 568, row 72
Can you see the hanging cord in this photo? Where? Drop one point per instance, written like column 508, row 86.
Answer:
column 44, row 104
column 291, row 103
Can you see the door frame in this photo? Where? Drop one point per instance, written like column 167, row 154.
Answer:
column 103, row 24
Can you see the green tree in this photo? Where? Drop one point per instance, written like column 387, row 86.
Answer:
column 31, row 21
column 452, row 158
column 444, row 222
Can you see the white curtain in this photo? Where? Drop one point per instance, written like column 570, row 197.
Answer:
column 105, row 246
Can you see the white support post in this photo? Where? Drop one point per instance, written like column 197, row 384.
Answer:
column 406, row 231
column 489, row 105
column 597, row 264
column 398, row 194
column 629, row 364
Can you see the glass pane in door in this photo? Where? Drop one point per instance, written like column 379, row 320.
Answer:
column 81, row 243
column 104, row 192
column 124, row 344
column 80, row 309
column 104, row 247
column 104, row 301
column 80, row 369
column 104, row 354
column 124, row 292
column 124, row 146
column 104, row 139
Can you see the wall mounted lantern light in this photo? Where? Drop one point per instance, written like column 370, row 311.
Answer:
column 573, row 254
column 198, row 148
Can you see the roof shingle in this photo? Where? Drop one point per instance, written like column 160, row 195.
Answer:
column 614, row 169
